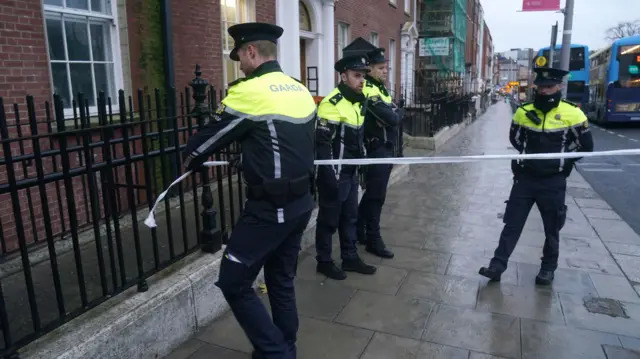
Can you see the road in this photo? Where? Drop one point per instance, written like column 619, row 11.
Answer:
column 616, row 179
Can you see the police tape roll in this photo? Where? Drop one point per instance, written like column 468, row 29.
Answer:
column 151, row 222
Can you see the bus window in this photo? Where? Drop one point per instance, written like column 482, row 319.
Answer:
column 629, row 66
column 576, row 58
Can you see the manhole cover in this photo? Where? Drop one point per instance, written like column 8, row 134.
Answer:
column 605, row 306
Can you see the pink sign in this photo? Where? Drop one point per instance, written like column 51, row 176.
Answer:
column 540, row 5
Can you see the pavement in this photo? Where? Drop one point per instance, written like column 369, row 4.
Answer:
column 615, row 178
column 443, row 223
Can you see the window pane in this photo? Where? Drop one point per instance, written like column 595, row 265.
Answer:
column 102, row 6
column 81, row 82
column 77, row 40
column 78, row 4
column 100, row 42
column 230, row 10
column 105, row 79
column 55, row 39
column 230, row 69
column 61, row 83
column 53, row 2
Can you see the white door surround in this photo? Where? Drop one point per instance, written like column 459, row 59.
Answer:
column 319, row 42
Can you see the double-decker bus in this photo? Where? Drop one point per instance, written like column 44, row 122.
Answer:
column 578, row 84
column 615, row 82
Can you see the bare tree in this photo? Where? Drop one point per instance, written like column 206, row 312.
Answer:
column 623, row 29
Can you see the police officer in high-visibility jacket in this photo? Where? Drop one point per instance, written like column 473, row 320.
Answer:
column 549, row 124
column 339, row 135
column 381, row 138
column 273, row 116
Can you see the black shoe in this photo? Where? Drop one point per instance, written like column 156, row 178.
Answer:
column 379, row 249
column 358, row 266
column 331, row 271
column 544, row 277
column 491, row 273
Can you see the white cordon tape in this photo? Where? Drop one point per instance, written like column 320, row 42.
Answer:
column 151, row 221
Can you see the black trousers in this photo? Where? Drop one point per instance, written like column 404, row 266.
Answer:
column 255, row 244
column 548, row 193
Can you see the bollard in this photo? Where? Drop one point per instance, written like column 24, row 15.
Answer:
column 210, row 238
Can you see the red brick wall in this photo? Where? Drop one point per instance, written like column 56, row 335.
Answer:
column 366, row 16
column 24, row 65
column 197, row 38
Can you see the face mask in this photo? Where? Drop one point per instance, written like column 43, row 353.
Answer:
column 546, row 103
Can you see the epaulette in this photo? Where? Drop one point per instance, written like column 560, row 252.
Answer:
column 233, row 83
column 336, row 98
column 369, row 84
column 570, row 103
column 526, row 103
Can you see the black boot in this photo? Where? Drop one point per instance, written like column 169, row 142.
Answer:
column 544, row 277
column 331, row 270
column 358, row 266
column 378, row 248
column 491, row 273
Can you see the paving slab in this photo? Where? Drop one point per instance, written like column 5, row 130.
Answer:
column 443, row 222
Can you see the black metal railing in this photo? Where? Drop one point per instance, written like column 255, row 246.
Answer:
column 75, row 185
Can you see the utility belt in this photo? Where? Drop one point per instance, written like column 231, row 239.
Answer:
column 280, row 191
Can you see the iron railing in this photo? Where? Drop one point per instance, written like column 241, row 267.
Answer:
column 74, row 191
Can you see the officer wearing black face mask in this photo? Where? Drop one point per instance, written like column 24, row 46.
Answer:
column 549, row 124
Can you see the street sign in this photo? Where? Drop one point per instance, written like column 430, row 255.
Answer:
column 633, row 69
column 434, row 46
column 540, row 5
column 541, row 61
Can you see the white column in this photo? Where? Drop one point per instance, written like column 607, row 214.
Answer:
column 287, row 15
column 326, row 74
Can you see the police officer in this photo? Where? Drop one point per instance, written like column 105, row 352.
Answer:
column 549, row 124
column 273, row 116
column 381, row 137
column 339, row 135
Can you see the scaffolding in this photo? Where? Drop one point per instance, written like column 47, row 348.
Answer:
column 444, row 19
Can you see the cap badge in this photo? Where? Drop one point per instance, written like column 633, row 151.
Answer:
column 364, row 61
column 545, row 74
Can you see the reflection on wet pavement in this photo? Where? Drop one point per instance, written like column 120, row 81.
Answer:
column 443, row 223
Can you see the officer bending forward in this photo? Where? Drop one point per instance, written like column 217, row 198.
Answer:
column 547, row 125
column 273, row 116
column 340, row 136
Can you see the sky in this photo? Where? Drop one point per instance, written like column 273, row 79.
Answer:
column 591, row 18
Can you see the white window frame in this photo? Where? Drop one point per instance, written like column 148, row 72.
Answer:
column 374, row 39
column 392, row 66
column 53, row 11
column 344, row 31
column 407, row 7
column 393, row 2
column 248, row 14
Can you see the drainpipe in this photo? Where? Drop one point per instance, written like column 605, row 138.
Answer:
column 169, row 75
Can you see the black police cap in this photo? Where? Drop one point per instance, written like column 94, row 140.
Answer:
column 252, row 31
column 546, row 76
column 376, row 56
column 359, row 46
column 352, row 62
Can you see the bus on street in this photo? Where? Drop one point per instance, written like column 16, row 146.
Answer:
column 615, row 82
column 578, row 84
